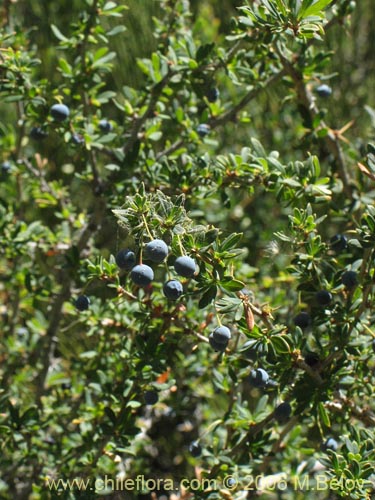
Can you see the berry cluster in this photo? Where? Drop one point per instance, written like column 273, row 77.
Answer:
column 142, row 275
column 156, row 251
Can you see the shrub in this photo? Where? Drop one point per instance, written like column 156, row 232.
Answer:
column 261, row 204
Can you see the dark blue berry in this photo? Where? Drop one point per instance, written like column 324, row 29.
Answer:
column 60, row 112
column 212, row 94
column 173, row 289
column 339, row 243
column 221, row 334
column 218, row 346
column 195, row 449
column 323, row 297
column 156, row 251
column 78, row 139
column 142, row 275
column 330, row 444
column 349, row 279
column 302, row 320
column 105, row 126
column 151, row 397
column 82, row 303
column 185, row 266
column 6, row 167
column 312, row 359
column 125, row 259
column 38, row 134
column 323, row 90
column 203, row 129
column 259, row 378
column 283, row 412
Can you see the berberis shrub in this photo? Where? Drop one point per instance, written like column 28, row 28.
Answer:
column 187, row 249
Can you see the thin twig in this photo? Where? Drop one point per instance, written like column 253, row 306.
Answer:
column 156, row 91
column 170, row 149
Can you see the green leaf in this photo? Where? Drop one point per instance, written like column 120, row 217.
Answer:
column 208, row 296
column 100, row 53
column 272, row 8
column 14, row 413
column 13, row 98
column 323, row 415
column 65, row 66
column 134, row 404
column 110, row 5
column 281, row 6
column 110, row 414
column 30, row 416
column 258, row 148
column 116, row 30
column 280, row 344
column 230, row 242
column 58, row 33
column 204, row 51
column 155, row 136
column 312, row 9
column 231, row 284
column 88, row 355
column 103, row 60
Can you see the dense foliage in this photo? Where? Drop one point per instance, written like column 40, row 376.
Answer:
column 187, row 249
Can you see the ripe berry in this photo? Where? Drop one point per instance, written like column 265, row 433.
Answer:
column 78, row 139
column 231, row 482
column 349, row 279
column 195, row 449
column 125, row 259
column 323, row 90
column 142, row 275
column 283, row 412
column 60, row 112
column 217, row 346
column 6, row 167
column 302, row 320
column 259, row 377
column 219, row 338
column 339, row 242
column 312, row 359
column 105, row 126
column 156, row 251
column 323, row 297
column 151, row 397
column 212, row 94
column 203, row 129
column 330, row 444
column 82, row 303
column 221, row 334
column 173, row 289
column 185, row 266
column 38, row 134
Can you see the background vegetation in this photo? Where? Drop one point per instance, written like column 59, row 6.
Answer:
column 256, row 201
